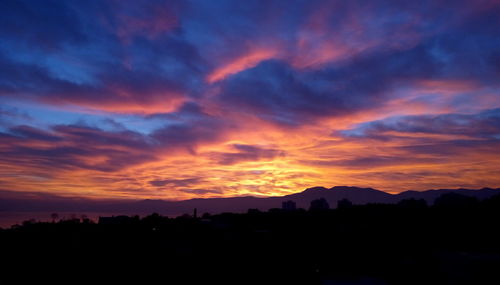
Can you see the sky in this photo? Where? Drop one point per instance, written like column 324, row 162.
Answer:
column 198, row 99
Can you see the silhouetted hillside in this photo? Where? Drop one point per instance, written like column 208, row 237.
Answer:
column 357, row 195
column 431, row 195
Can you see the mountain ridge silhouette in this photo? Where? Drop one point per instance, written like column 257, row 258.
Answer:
column 357, row 195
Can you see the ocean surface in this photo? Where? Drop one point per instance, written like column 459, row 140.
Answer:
column 8, row 219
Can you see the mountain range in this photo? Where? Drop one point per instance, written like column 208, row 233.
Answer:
column 356, row 195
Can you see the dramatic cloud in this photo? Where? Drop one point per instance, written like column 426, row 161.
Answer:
column 179, row 99
column 246, row 153
column 175, row 182
column 482, row 125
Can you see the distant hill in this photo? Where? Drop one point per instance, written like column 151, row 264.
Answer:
column 356, row 195
column 431, row 195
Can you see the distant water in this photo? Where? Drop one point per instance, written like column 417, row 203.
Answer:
column 8, row 219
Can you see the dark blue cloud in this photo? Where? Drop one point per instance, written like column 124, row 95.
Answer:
column 246, row 153
column 138, row 53
column 275, row 91
column 47, row 25
column 465, row 48
column 71, row 53
column 81, row 146
column 485, row 125
column 176, row 182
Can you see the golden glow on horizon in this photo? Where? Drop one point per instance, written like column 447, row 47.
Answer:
column 308, row 156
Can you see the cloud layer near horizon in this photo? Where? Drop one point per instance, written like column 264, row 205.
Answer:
column 183, row 99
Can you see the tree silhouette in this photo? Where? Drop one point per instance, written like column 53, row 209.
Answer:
column 455, row 200
column 54, row 217
column 344, row 204
column 289, row 205
column 413, row 203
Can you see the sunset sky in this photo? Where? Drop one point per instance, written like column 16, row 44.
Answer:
column 210, row 98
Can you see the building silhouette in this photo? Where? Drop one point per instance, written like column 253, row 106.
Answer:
column 289, row 205
column 319, row 204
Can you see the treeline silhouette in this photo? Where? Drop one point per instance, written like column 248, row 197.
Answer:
column 454, row 241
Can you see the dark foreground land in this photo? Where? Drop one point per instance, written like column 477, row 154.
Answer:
column 455, row 241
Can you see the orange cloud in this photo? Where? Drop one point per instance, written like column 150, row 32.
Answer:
column 241, row 63
column 307, row 156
